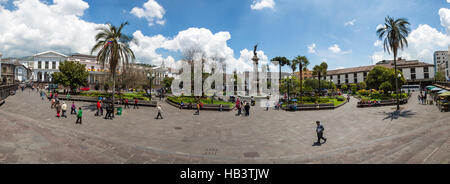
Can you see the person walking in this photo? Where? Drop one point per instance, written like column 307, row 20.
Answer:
column 126, row 104
column 64, row 109
column 99, row 106
column 319, row 130
column 53, row 103
column 58, row 109
column 348, row 98
column 267, row 105
column 181, row 104
column 159, row 112
column 238, row 107
column 136, row 104
column 198, row 109
column 73, row 108
column 79, row 116
column 247, row 109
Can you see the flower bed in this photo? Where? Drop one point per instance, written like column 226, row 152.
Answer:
column 207, row 101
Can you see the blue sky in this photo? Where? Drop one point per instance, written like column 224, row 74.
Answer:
column 285, row 28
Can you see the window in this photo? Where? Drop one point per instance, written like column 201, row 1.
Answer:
column 426, row 76
column 346, row 81
column 346, row 76
column 425, row 69
column 39, row 64
column 413, row 70
column 413, row 76
column 54, row 65
column 46, row 65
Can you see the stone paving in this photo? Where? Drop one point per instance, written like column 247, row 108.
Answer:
column 30, row 133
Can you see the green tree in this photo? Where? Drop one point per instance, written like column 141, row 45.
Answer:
column 394, row 33
column 303, row 63
column 167, row 82
column 362, row 85
column 72, row 74
column 344, row 87
column 386, row 86
column 113, row 49
column 282, row 61
column 380, row 74
column 354, row 88
column 320, row 70
column 439, row 76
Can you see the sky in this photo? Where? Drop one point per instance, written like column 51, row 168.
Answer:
column 339, row 32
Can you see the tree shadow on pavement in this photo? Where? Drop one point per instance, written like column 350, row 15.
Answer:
column 91, row 107
column 396, row 114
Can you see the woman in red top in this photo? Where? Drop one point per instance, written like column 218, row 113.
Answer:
column 135, row 103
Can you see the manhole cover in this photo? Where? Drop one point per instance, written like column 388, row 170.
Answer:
column 251, row 154
column 178, row 128
column 210, row 151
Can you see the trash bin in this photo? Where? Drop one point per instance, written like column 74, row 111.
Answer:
column 119, row 111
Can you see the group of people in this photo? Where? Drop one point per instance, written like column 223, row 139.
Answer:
column 107, row 105
column 422, row 97
column 61, row 107
column 242, row 106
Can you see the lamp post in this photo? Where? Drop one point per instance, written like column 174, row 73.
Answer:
column 150, row 78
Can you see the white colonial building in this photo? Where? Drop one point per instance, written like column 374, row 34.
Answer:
column 45, row 64
column 414, row 71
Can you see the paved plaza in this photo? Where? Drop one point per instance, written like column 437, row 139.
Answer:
column 30, row 133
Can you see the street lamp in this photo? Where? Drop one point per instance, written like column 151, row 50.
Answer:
column 150, row 78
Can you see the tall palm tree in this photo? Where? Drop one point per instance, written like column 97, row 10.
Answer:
column 394, row 33
column 282, row 61
column 303, row 63
column 113, row 50
column 320, row 70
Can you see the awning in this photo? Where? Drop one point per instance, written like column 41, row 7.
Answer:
column 430, row 87
column 436, row 89
column 445, row 94
column 442, row 91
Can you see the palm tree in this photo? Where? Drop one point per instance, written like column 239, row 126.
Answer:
column 320, row 70
column 282, row 61
column 394, row 33
column 303, row 62
column 113, row 49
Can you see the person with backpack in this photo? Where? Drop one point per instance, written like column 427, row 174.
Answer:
column 198, row 109
column 319, row 130
column 58, row 109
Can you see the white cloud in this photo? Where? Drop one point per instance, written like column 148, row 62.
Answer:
column 337, row 50
column 378, row 43
column 350, row 23
column 422, row 42
column 379, row 26
column 151, row 11
column 312, row 48
column 334, row 48
column 261, row 4
column 213, row 44
column 448, row 1
column 444, row 14
column 33, row 26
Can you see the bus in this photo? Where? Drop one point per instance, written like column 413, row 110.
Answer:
column 410, row 88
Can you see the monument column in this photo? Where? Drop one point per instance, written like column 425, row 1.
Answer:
column 256, row 73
